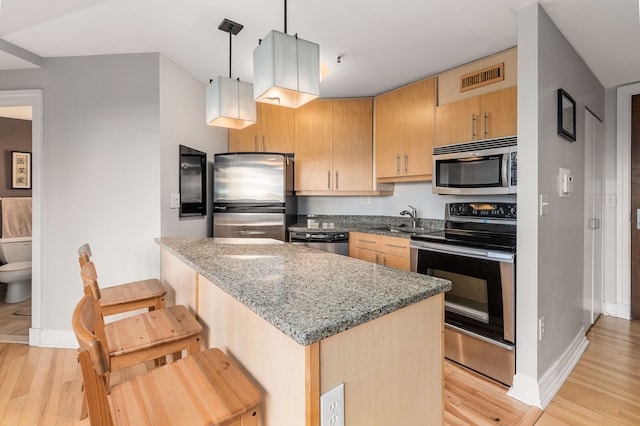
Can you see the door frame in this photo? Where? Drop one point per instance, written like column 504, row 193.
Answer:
column 34, row 99
column 594, row 208
column 623, row 188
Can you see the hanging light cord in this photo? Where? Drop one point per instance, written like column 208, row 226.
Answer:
column 285, row 16
column 230, row 37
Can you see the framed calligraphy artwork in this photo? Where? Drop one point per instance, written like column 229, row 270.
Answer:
column 20, row 170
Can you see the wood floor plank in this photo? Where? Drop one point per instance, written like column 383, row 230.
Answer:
column 604, row 386
column 43, row 386
column 14, row 321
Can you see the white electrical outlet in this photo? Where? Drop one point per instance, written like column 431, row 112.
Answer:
column 175, row 200
column 540, row 328
column 365, row 200
column 332, row 407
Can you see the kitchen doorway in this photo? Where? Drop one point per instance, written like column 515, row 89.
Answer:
column 33, row 99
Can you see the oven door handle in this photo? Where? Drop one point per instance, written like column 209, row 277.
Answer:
column 463, row 251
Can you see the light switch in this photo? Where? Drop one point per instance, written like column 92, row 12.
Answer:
column 610, row 200
column 175, row 200
column 565, row 183
column 544, row 204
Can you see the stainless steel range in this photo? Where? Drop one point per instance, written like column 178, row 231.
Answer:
column 477, row 252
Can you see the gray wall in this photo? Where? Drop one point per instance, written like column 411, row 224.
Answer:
column 102, row 170
column 561, row 234
column 183, row 122
column 550, row 248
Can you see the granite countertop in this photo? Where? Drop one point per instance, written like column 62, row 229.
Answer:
column 380, row 225
column 307, row 294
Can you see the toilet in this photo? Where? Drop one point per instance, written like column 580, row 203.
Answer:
column 15, row 271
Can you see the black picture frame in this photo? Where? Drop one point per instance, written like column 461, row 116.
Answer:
column 566, row 115
column 193, row 182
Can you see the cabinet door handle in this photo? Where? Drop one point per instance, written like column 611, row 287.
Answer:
column 484, row 124
column 337, row 183
column 376, row 257
column 473, row 126
column 256, row 142
column 329, row 179
column 395, row 246
column 384, row 260
column 264, row 143
column 367, row 242
column 405, row 163
column 397, row 164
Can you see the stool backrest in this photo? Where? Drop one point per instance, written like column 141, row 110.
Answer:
column 90, row 280
column 88, row 326
column 84, row 254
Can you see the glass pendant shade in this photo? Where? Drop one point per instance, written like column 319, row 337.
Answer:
column 229, row 103
column 286, row 70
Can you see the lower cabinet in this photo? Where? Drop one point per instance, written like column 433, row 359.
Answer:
column 380, row 249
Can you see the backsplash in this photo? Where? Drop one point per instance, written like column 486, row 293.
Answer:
column 330, row 221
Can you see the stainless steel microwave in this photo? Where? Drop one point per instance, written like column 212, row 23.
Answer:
column 476, row 168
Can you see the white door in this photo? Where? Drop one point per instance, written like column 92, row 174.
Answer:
column 593, row 187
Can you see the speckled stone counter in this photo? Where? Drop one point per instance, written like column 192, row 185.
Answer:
column 307, row 294
column 381, row 225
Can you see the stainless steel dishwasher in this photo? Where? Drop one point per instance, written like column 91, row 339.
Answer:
column 329, row 241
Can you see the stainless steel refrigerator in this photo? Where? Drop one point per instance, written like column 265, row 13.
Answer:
column 253, row 195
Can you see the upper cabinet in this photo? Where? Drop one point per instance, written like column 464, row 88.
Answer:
column 488, row 116
column 405, row 132
column 334, row 147
column 273, row 131
column 478, row 100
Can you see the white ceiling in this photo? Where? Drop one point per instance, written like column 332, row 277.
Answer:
column 385, row 44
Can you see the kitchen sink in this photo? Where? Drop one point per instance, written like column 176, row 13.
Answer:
column 399, row 229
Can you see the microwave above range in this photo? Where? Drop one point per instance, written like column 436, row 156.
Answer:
column 485, row 167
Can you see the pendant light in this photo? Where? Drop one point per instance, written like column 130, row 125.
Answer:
column 286, row 69
column 229, row 102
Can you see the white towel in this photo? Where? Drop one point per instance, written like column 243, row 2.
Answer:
column 16, row 217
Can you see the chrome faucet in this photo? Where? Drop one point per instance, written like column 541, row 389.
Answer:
column 412, row 214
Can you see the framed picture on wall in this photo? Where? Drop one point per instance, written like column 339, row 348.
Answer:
column 20, row 170
column 566, row 115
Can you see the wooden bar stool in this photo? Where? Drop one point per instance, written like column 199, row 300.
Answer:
column 146, row 336
column 202, row 389
column 149, row 293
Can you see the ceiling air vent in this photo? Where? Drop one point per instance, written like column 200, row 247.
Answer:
column 489, row 75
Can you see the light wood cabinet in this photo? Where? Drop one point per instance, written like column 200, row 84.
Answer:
column 405, row 132
column 381, row 249
column 272, row 132
column 487, row 116
column 334, row 147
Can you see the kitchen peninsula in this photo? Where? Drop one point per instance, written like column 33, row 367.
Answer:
column 301, row 321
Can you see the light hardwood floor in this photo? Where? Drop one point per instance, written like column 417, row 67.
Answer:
column 15, row 319
column 41, row 386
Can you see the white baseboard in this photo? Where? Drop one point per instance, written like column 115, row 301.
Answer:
column 525, row 389
column 539, row 393
column 52, row 338
column 618, row 311
column 552, row 380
